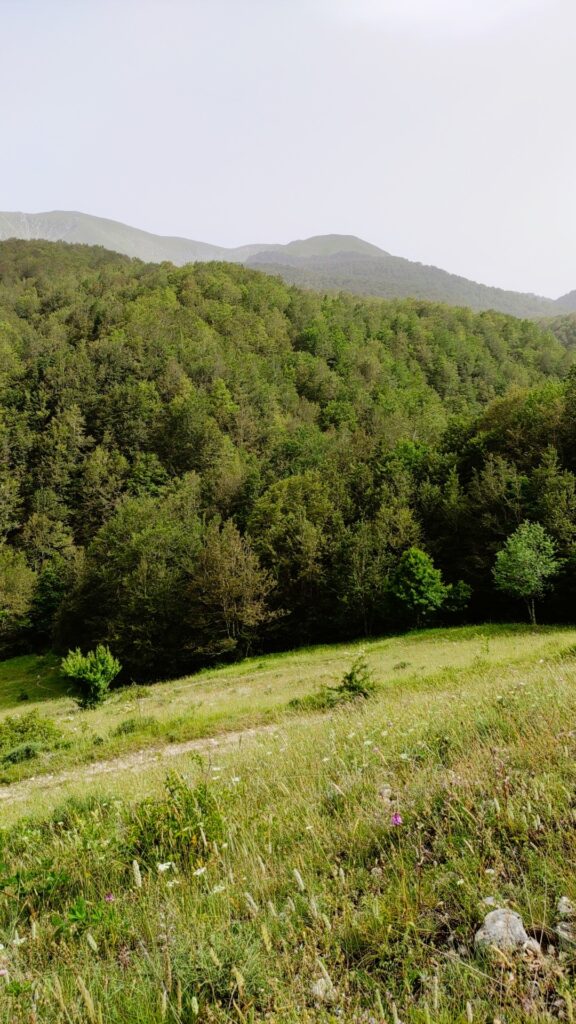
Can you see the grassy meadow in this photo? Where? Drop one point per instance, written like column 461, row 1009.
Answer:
column 330, row 867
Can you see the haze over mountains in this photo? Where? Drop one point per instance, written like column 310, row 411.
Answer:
column 325, row 262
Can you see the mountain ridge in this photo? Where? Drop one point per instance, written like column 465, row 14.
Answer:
column 332, row 262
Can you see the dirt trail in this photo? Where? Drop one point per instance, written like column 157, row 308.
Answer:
column 132, row 762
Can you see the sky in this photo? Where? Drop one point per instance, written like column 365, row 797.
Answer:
column 440, row 130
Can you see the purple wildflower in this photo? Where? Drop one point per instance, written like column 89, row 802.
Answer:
column 109, row 897
column 396, row 819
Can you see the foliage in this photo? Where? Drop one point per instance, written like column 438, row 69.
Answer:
column 92, row 672
column 17, row 582
column 357, row 683
column 201, row 461
column 418, row 585
column 526, row 563
column 16, row 730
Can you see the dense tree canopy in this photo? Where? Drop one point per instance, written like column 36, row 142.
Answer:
column 198, row 460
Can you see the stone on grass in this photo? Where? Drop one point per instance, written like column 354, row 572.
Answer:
column 565, row 908
column 566, row 932
column 504, row 930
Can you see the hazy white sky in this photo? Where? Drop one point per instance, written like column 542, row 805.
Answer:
column 441, row 130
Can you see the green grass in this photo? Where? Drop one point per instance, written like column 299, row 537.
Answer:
column 254, row 693
column 30, row 680
column 296, row 898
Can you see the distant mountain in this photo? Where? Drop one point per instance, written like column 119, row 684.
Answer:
column 324, row 262
column 63, row 226
column 567, row 303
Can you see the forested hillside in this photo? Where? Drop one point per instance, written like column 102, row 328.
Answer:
column 390, row 277
column 563, row 327
column 198, row 461
column 329, row 263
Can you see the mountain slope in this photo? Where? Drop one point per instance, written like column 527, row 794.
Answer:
column 325, row 262
column 392, row 277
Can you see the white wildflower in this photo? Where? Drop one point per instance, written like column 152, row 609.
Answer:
column 162, row 868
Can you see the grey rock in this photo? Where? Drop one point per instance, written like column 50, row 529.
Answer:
column 566, row 932
column 504, row 930
column 565, row 908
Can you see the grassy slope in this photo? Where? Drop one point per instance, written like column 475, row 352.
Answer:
column 290, row 871
column 251, row 694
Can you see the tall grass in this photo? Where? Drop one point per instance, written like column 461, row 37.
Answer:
column 332, row 871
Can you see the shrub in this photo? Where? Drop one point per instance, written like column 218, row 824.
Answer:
column 145, row 723
column 92, row 672
column 32, row 728
column 358, row 680
column 23, row 752
column 356, row 683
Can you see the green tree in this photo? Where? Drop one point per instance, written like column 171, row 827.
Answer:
column 418, row 586
column 17, row 583
column 228, row 591
column 526, row 563
column 92, row 672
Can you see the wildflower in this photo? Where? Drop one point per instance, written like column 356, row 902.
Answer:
column 4, row 973
column 397, row 819
column 175, row 881
column 109, row 897
column 165, row 866
column 199, row 871
column 217, row 889
column 235, row 780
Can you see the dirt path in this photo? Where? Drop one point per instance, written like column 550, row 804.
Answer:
column 132, row 762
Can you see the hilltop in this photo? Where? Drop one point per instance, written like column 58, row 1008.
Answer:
column 326, row 263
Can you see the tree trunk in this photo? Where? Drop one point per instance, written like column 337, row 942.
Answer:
column 531, row 610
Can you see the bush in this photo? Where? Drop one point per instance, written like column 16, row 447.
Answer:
column 23, row 752
column 145, row 723
column 356, row 683
column 92, row 672
column 31, row 729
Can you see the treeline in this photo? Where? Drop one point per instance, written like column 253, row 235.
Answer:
column 199, row 461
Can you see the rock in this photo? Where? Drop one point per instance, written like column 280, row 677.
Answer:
column 504, row 930
column 565, row 908
column 566, row 932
